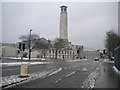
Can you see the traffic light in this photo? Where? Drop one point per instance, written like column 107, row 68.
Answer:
column 23, row 46
column 77, row 51
column 18, row 51
column 20, row 46
column 104, row 51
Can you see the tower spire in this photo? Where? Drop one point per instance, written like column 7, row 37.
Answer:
column 63, row 23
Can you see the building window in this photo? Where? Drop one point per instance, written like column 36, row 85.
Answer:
column 62, row 52
column 70, row 52
column 59, row 51
column 50, row 51
column 64, row 9
column 61, row 9
column 53, row 51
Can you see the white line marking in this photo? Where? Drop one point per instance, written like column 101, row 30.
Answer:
column 58, row 80
column 55, row 72
column 70, row 74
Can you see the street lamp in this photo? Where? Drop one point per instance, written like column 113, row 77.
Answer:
column 30, row 45
column 109, row 53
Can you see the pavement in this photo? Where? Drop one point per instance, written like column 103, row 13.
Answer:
column 107, row 77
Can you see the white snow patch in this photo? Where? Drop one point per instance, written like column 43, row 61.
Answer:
column 108, row 61
column 13, row 80
column 19, row 63
column 116, row 70
column 78, row 60
column 90, row 80
column 19, row 58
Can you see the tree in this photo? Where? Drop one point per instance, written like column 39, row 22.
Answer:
column 40, row 44
column 26, row 38
column 112, row 41
column 43, row 45
column 59, row 44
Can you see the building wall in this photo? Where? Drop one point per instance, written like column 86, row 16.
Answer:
column 34, row 54
column 9, row 50
column 62, row 54
column 91, row 54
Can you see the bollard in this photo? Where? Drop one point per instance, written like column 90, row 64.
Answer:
column 24, row 70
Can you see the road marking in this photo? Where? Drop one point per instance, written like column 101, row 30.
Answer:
column 65, row 68
column 75, row 66
column 84, row 69
column 51, row 66
column 58, row 80
column 55, row 72
column 70, row 74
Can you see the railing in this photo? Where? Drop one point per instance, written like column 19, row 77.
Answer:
column 117, row 58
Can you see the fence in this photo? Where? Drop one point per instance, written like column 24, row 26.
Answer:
column 117, row 58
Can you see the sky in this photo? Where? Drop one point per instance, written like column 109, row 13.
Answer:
column 88, row 22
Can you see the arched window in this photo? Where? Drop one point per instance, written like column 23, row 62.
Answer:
column 62, row 52
column 59, row 51
column 50, row 51
column 53, row 51
column 64, row 9
column 61, row 9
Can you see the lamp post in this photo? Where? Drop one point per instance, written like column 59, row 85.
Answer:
column 109, row 53
column 30, row 45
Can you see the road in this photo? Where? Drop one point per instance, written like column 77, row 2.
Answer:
column 72, row 75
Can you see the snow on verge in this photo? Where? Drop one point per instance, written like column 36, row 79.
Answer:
column 116, row 70
column 10, row 81
column 108, row 61
column 19, row 63
column 90, row 80
column 78, row 60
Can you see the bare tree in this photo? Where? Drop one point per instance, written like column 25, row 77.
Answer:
column 58, row 44
column 112, row 41
column 26, row 38
column 42, row 45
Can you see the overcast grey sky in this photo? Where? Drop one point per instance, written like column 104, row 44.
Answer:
column 87, row 22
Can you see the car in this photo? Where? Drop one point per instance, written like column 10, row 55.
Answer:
column 96, row 59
